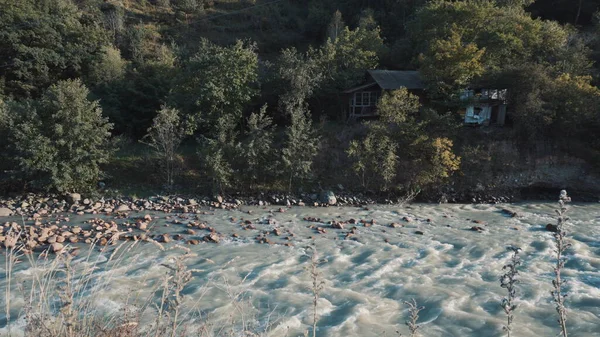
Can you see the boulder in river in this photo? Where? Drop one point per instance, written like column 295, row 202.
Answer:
column 212, row 237
column 552, row 228
column 328, row 197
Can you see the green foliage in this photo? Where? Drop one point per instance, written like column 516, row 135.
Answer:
column 398, row 106
column 257, row 151
column 165, row 136
column 131, row 102
column 215, row 86
column 345, row 59
column 401, row 149
column 573, row 107
column 110, row 67
column 336, row 26
column 216, row 165
column 450, row 66
column 301, row 75
column 301, row 146
column 60, row 141
column 375, row 157
column 509, row 36
column 187, row 6
column 441, row 161
column 42, row 42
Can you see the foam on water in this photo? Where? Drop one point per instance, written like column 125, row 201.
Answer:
column 450, row 270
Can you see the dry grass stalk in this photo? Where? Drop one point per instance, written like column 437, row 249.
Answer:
column 508, row 280
column 558, row 294
column 316, row 286
column 414, row 310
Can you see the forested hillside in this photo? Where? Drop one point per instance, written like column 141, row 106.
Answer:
column 227, row 96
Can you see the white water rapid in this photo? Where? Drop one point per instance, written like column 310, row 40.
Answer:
column 450, row 270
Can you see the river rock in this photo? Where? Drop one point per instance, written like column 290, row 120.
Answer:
column 337, row 225
column 5, row 211
column 212, row 237
column 57, row 247
column 328, row 197
column 123, row 208
column 10, row 241
column 74, row 197
column 552, row 228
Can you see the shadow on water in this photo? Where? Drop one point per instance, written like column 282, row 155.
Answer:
column 337, row 317
column 362, row 257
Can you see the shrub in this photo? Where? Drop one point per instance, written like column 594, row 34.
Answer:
column 60, row 140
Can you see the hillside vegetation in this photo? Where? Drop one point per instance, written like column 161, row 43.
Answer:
column 202, row 96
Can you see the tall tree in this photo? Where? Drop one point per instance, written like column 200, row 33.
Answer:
column 215, row 86
column 257, row 148
column 164, row 137
column 45, row 41
column 60, row 140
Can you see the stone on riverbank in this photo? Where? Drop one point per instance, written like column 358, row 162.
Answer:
column 5, row 211
column 328, row 197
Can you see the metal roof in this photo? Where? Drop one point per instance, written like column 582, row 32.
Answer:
column 361, row 87
column 396, row 79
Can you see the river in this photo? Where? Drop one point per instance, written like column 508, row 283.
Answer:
column 449, row 269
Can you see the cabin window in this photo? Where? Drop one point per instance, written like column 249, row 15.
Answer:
column 358, row 99
column 366, row 98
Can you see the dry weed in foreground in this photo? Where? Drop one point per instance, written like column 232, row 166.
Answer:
column 508, row 280
column 316, row 286
column 558, row 295
column 414, row 310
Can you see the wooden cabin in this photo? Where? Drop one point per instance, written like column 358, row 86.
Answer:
column 363, row 99
column 479, row 106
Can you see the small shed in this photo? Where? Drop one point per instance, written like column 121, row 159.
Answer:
column 484, row 106
column 363, row 99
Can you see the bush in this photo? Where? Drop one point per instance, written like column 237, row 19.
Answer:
column 60, row 141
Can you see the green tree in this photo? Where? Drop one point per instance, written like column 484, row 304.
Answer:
column 45, row 41
column 403, row 148
column 257, row 150
column 509, row 36
column 215, row 86
column 61, row 140
column 345, row 59
column 165, row 136
column 398, row 106
column 336, row 26
column 375, row 157
column 301, row 146
column 110, row 67
column 451, row 65
column 300, row 76
column 216, row 164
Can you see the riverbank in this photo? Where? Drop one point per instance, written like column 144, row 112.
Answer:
column 28, row 205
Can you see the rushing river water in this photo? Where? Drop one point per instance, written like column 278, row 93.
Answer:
column 450, row 270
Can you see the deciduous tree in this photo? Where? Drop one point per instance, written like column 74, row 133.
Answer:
column 61, row 140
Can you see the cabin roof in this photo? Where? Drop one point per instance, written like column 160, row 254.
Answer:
column 391, row 80
column 396, row 79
